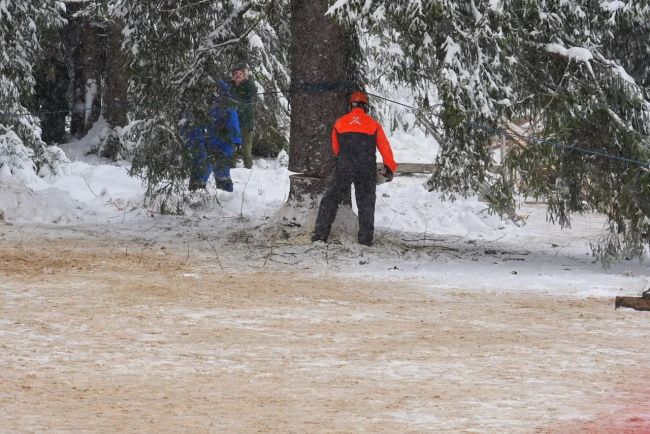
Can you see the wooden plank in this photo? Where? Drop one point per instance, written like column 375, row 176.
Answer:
column 405, row 168
column 637, row 303
column 415, row 168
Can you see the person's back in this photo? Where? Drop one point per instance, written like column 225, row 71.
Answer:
column 355, row 138
column 211, row 145
column 223, row 133
column 223, row 136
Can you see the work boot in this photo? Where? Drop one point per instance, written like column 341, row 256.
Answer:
column 195, row 185
column 225, row 185
column 316, row 237
column 365, row 242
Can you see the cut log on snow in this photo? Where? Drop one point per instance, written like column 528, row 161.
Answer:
column 636, row 303
column 405, row 168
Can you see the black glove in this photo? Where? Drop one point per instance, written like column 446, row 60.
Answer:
column 388, row 174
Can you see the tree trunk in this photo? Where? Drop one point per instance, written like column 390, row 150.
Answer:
column 115, row 96
column 319, row 68
column 87, row 83
column 116, row 80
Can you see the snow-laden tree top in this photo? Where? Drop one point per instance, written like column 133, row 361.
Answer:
column 575, row 71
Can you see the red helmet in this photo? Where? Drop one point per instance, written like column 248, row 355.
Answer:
column 358, row 97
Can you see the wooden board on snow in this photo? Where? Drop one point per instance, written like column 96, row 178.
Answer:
column 637, row 303
column 404, row 168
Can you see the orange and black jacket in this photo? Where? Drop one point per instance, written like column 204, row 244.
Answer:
column 355, row 138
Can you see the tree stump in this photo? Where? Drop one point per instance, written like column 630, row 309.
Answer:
column 306, row 191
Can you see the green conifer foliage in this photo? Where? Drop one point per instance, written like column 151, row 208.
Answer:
column 22, row 23
column 176, row 53
column 576, row 70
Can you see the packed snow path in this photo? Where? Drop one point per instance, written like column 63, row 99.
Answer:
column 123, row 334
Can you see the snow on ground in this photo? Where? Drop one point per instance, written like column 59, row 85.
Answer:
column 230, row 318
column 419, row 236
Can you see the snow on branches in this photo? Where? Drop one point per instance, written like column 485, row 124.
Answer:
column 576, row 71
column 20, row 22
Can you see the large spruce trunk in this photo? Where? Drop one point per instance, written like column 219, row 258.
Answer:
column 319, row 74
column 115, row 96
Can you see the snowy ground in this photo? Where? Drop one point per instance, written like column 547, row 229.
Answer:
column 228, row 319
column 119, row 331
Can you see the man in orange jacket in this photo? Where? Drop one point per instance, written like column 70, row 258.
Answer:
column 355, row 138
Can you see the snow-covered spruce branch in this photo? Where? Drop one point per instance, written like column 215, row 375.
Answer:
column 230, row 41
column 180, row 8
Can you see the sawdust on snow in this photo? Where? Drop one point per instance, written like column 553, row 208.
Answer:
column 99, row 337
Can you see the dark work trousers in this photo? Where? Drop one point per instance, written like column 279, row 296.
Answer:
column 362, row 172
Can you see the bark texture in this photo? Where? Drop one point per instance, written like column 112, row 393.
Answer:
column 115, row 95
column 319, row 76
column 115, row 98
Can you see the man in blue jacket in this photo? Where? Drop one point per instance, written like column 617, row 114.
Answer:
column 212, row 146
